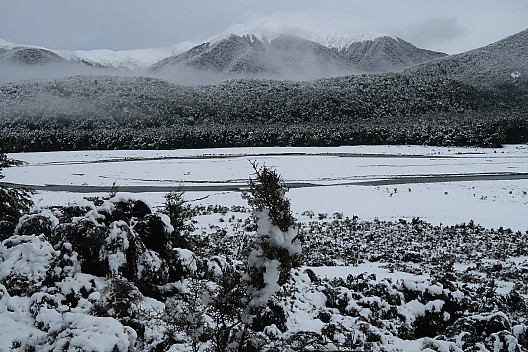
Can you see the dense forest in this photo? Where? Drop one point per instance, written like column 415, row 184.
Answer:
column 103, row 112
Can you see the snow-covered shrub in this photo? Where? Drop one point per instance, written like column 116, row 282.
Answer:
column 42, row 307
column 493, row 330
column 123, row 253
column 117, row 237
column 41, row 222
column 277, row 243
column 179, row 214
column 161, row 262
column 186, row 314
column 25, row 262
column 119, row 299
column 72, row 331
column 120, row 251
column 521, row 334
column 267, row 192
column 86, row 236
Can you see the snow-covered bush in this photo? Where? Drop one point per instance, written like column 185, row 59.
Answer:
column 73, row 331
column 39, row 222
column 25, row 262
column 275, row 247
column 179, row 214
column 116, row 237
column 119, row 299
column 276, row 234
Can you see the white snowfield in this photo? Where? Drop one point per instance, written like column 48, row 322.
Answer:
column 440, row 185
column 126, row 59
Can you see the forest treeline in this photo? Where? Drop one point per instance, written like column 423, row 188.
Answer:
column 103, row 112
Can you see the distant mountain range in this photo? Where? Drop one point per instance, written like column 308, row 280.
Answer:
column 117, row 59
column 27, row 55
column 279, row 51
column 256, row 49
column 289, row 51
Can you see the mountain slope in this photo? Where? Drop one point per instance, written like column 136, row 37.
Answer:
column 387, row 54
column 285, row 56
column 124, row 59
column 501, row 64
column 28, row 56
column 295, row 53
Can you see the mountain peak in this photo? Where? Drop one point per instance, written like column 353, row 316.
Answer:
column 267, row 31
column 8, row 45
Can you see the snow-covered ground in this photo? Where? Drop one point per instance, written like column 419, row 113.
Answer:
column 425, row 182
column 442, row 185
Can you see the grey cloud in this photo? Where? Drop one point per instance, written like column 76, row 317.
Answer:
column 449, row 25
column 432, row 31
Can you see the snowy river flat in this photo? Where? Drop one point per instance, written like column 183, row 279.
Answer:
column 440, row 185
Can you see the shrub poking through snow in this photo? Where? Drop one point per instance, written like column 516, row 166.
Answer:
column 179, row 213
column 267, row 192
column 276, row 244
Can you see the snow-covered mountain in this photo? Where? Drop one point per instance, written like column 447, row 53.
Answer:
column 500, row 64
column 287, row 51
column 119, row 59
column 21, row 54
column 124, row 59
column 267, row 31
column 286, row 56
column 251, row 48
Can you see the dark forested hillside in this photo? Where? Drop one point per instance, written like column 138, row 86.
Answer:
column 103, row 112
column 502, row 64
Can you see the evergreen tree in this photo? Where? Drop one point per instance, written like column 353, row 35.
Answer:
column 179, row 213
column 277, row 244
column 13, row 201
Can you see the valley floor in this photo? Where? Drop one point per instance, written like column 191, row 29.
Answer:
column 440, row 185
column 390, row 261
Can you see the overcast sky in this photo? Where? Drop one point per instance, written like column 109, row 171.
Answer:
column 445, row 25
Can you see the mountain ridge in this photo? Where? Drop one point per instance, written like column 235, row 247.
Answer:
column 266, row 32
column 290, row 53
column 502, row 64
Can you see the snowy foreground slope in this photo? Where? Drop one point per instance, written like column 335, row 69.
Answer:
column 112, row 273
